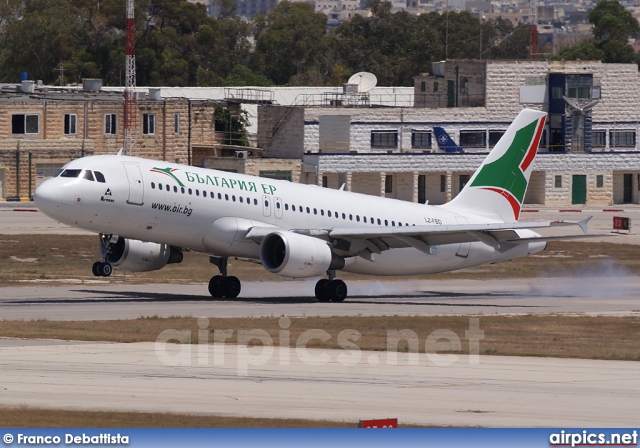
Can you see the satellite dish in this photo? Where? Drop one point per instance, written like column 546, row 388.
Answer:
column 364, row 80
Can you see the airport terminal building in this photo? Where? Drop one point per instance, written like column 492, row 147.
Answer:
column 589, row 152
column 377, row 141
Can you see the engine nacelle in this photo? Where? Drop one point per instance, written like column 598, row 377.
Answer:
column 293, row 255
column 141, row 256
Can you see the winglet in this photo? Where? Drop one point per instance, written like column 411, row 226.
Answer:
column 583, row 224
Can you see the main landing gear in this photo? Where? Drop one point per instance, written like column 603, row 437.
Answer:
column 331, row 289
column 222, row 285
column 103, row 268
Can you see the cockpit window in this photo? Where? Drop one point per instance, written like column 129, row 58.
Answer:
column 59, row 172
column 70, row 173
column 99, row 176
column 88, row 175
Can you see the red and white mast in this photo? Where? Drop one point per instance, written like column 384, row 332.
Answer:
column 130, row 109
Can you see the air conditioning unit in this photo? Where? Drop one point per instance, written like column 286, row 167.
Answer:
column 242, row 154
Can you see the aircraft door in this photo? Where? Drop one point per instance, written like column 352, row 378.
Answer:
column 136, row 187
column 277, row 204
column 266, row 205
column 463, row 250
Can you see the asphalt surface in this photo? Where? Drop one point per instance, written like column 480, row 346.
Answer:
column 499, row 391
column 321, row 384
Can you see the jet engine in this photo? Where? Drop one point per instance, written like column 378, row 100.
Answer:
column 140, row 256
column 294, row 255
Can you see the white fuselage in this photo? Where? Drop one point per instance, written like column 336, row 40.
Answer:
column 210, row 211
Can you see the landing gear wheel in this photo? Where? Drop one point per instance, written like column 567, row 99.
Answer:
column 101, row 269
column 105, row 269
column 337, row 290
column 215, row 286
column 231, row 287
column 322, row 293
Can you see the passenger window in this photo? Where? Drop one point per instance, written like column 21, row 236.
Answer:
column 344, row 216
column 329, row 213
column 204, row 193
column 322, row 212
column 182, row 190
column 286, row 206
column 358, row 218
column 220, row 196
column 190, row 191
column 99, row 177
column 393, row 223
column 153, row 186
column 364, row 218
column 386, row 223
column 226, row 197
column 315, row 211
column 266, row 203
column 350, row 217
column 233, row 198
column 241, row 199
column 159, row 186
column 278, row 205
column 379, row 223
column 175, row 189
column 308, row 210
column 168, row 187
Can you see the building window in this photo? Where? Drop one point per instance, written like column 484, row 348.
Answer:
column 276, row 174
column 599, row 181
column 595, row 93
column 421, row 139
column 25, row 124
column 558, row 181
column 422, row 188
column 148, row 124
column 388, row 183
column 622, row 138
column 473, row 139
column 494, row 137
column 598, row 138
column 70, row 121
column 443, row 183
column 435, row 86
column 110, row 124
column 423, row 86
column 325, row 181
column 581, row 92
column 176, row 123
column 463, row 85
column 384, row 139
column 464, row 179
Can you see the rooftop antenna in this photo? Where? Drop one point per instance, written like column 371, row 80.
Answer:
column 129, row 146
column 364, row 80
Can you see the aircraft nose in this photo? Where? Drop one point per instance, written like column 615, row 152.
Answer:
column 47, row 198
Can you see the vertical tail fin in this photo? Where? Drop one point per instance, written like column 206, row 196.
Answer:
column 445, row 142
column 497, row 188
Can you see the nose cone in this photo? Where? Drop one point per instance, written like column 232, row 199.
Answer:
column 47, row 199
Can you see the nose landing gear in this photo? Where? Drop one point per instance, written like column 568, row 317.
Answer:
column 103, row 268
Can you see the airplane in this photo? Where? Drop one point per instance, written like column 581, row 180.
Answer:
column 445, row 142
column 148, row 212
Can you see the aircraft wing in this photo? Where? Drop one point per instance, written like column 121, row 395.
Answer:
column 365, row 241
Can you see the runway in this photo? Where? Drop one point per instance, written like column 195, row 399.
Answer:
column 590, row 295
column 499, row 391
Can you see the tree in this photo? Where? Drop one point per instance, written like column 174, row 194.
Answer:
column 289, row 41
column 613, row 25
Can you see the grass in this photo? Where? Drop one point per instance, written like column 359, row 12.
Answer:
column 584, row 337
column 27, row 417
column 25, row 259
